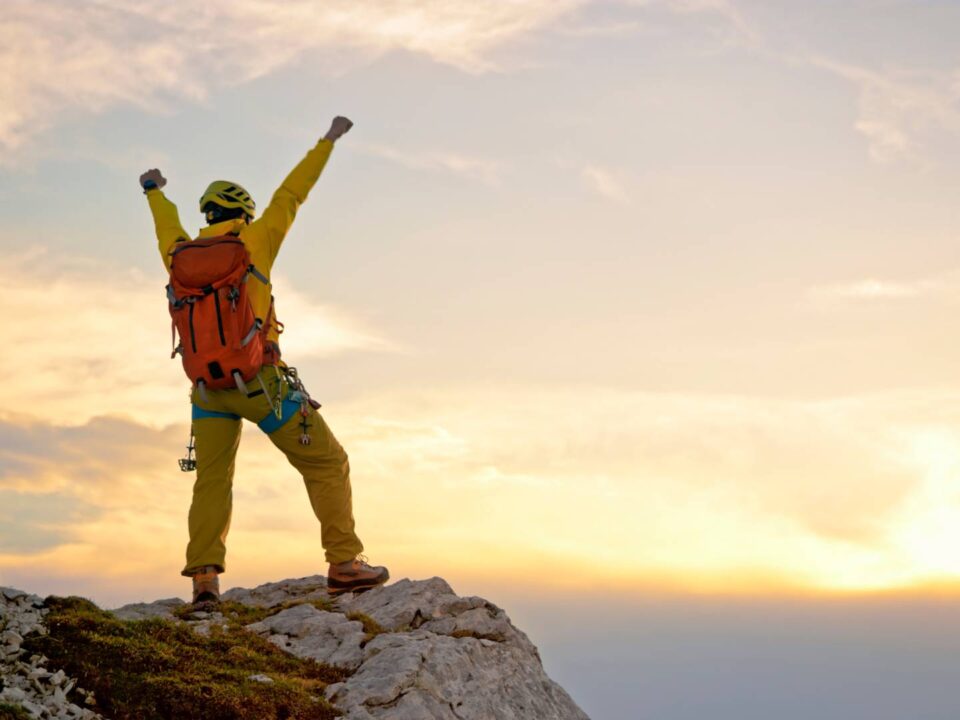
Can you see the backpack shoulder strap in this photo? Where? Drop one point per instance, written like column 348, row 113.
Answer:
column 258, row 275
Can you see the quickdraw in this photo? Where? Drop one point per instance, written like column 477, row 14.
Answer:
column 276, row 404
column 298, row 393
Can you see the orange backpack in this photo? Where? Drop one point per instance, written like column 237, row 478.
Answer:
column 222, row 342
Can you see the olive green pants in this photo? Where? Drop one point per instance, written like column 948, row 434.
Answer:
column 323, row 463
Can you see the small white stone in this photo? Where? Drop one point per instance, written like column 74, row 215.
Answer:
column 9, row 637
column 261, row 679
column 13, row 694
column 32, row 708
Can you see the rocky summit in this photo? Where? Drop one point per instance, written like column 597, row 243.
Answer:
column 413, row 650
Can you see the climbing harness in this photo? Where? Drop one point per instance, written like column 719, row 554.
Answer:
column 291, row 398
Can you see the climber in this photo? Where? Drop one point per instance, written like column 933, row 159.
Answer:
column 221, row 303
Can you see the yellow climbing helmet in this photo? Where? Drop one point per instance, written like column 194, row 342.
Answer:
column 228, row 195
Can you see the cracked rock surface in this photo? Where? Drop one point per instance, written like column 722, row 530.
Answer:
column 441, row 656
column 415, row 650
column 307, row 632
column 421, row 674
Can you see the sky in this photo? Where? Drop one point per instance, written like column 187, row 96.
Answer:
column 643, row 308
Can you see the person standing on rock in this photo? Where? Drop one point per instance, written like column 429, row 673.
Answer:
column 222, row 307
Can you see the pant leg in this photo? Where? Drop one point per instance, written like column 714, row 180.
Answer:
column 325, row 468
column 217, row 440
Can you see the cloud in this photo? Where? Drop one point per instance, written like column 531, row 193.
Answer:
column 732, row 26
column 898, row 111
column 59, row 57
column 605, row 183
column 614, row 486
column 702, row 485
column 743, row 30
column 874, row 289
column 484, row 170
column 95, row 340
column 34, row 522
column 44, row 457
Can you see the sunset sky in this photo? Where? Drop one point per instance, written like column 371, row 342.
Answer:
column 630, row 298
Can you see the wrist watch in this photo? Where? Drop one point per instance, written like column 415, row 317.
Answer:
column 149, row 185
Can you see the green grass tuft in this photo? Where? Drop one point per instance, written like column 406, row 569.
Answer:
column 240, row 614
column 371, row 627
column 154, row 669
column 12, row 712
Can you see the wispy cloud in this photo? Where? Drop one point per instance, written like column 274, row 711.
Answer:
column 743, row 29
column 898, row 110
column 480, row 169
column 875, row 289
column 59, row 56
column 731, row 25
column 606, row 183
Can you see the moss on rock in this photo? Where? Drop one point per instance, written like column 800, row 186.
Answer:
column 153, row 669
column 12, row 712
column 371, row 627
column 241, row 614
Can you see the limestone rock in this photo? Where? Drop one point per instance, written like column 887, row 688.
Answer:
column 307, row 632
column 156, row 609
column 432, row 605
column 419, row 675
column 277, row 593
column 443, row 657
column 438, row 657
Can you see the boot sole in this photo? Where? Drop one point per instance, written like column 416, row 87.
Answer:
column 357, row 586
column 336, row 592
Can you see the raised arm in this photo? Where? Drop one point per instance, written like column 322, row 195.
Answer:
column 280, row 213
column 166, row 219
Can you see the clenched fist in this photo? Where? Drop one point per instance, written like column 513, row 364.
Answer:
column 152, row 179
column 338, row 127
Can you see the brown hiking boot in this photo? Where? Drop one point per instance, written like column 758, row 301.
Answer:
column 355, row 576
column 206, row 586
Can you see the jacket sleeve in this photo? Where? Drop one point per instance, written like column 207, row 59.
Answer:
column 272, row 226
column 166, row 221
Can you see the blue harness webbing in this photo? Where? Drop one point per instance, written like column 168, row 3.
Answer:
column 270, row 424
column 199, row 414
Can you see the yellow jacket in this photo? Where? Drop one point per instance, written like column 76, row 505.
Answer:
column 262, row 237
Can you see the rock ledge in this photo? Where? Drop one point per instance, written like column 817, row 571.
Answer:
column 414, row 650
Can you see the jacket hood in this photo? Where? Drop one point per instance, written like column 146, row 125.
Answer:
column 227, row 227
